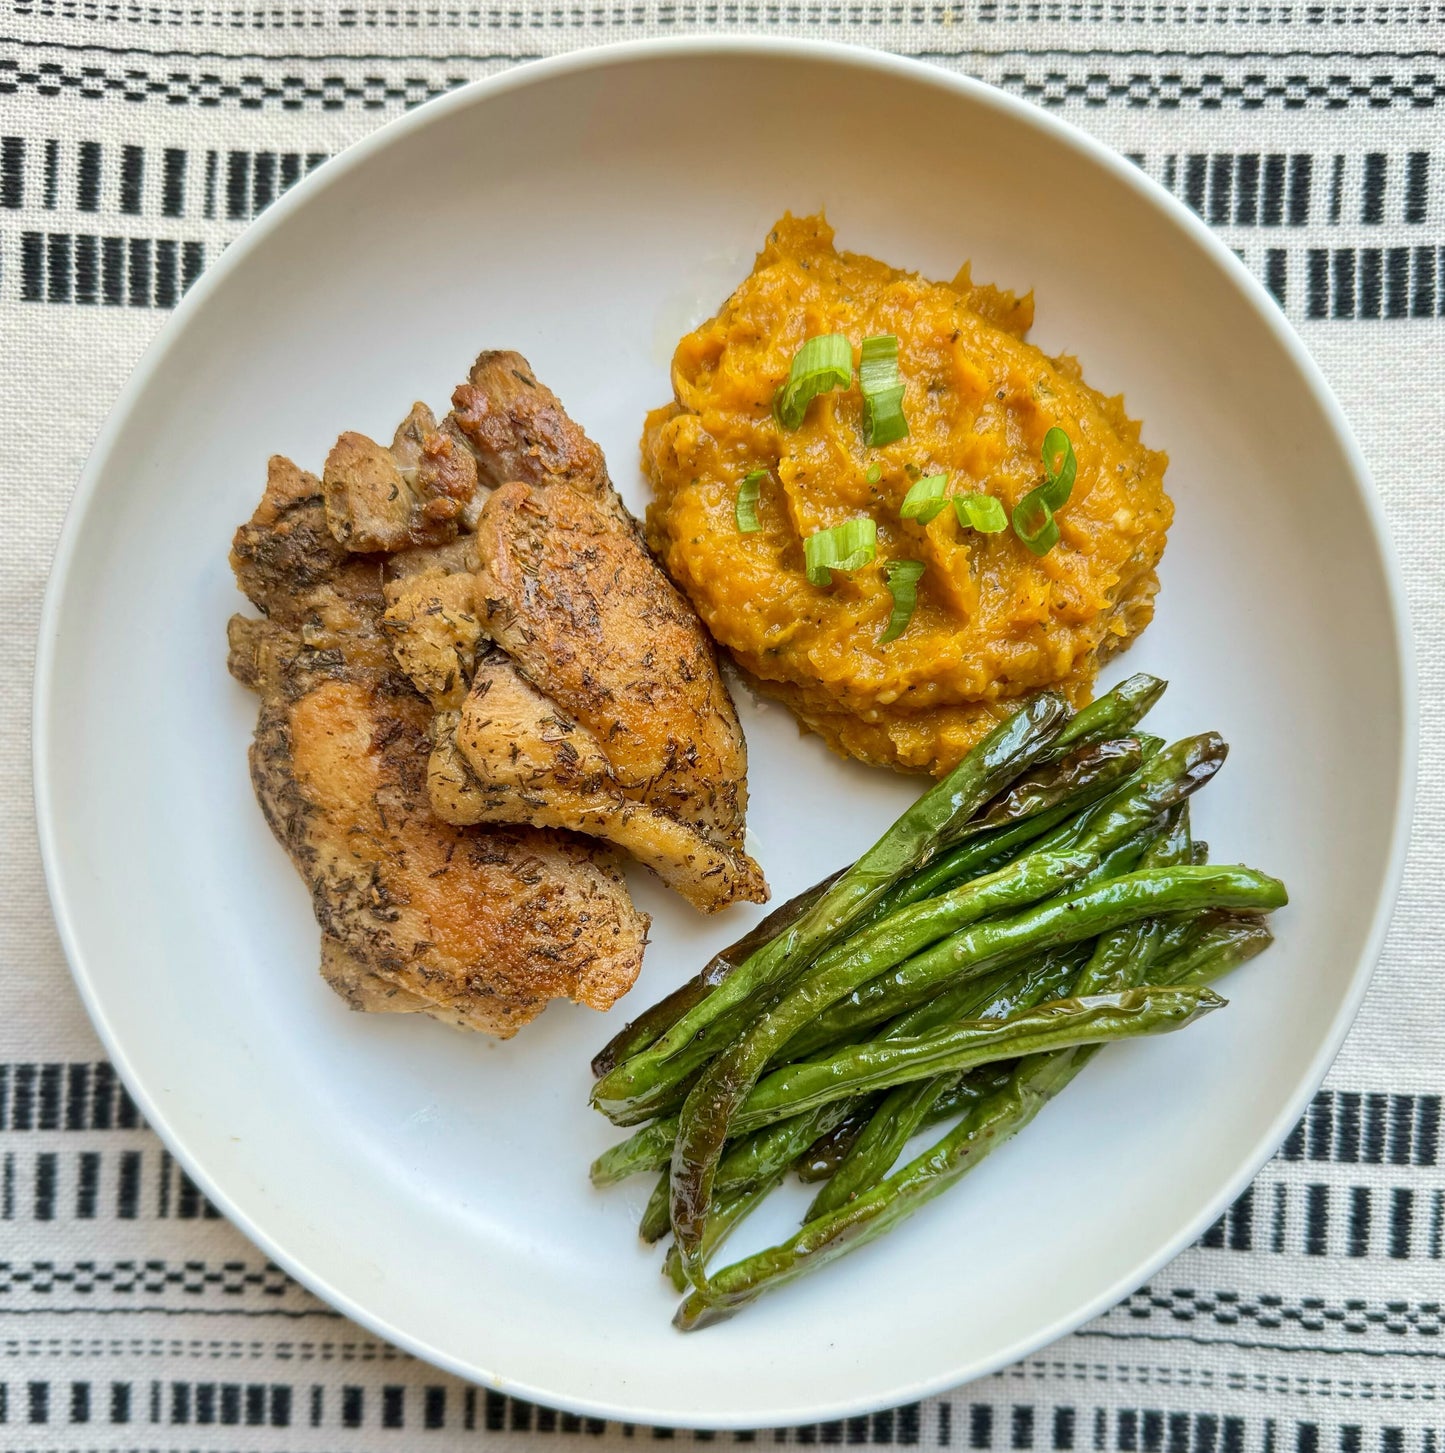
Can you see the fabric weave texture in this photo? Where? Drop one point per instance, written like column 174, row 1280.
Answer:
column 139, row 137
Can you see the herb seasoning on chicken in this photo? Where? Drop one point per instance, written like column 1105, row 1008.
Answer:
column 475, row 682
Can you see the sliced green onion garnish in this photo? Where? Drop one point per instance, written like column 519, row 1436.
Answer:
column 1034, row 522
column 746, row 509
column 822, row 363
column 874, row 473
column 924, row 499
column 883, row 421
column 848, row 546
column 980, row 512
column 1060, row 466
column 903, row 578
column 878, row 363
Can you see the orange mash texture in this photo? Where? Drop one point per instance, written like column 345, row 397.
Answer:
column 993, row 622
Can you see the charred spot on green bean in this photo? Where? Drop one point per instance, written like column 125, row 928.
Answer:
column 1045, row 899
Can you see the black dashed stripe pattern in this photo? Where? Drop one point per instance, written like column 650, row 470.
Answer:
column 1328, row 81
column 1246, row 195
column 1340, row 1126
column 118, row 15
column 1256, row 190
column 422, row 1405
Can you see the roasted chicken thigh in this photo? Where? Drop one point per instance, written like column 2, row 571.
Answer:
column 474, row 682
column 477, row 929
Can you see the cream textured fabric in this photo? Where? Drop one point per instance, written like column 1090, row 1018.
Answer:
column 138, row 137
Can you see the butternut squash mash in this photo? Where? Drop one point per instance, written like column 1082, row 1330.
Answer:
column 993, row 621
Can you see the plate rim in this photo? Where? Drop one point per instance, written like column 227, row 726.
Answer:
column 836, row 53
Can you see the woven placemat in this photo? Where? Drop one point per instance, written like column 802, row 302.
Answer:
column 138, row 139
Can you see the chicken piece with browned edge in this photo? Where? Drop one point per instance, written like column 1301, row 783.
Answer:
column 595, row 636
column 511, row 753
column 478, row 928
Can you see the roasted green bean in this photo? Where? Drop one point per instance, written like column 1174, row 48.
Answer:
column 1083, row 912
column 887, row 942
column 824, row 1032
column 879, row 1064
column 823, row 1157
column 724, row 1084
column 748, row 1157
column 1043, row 900
column 1115, row 764
column 987, row 1125
column 918, row 836
column 726, row 1214
column 1112, row 715
column 992, row 1120
column 906, row 1108
column 654, row 1225
column 1121, row 958
column 1219, row 946
column 652, row 1023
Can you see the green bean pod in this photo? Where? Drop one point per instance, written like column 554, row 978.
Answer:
column 755, row 1157
column 1122, row 957
column 1040, row 800
column 823, row 1157
column 727, row 1213
column 1113, row 714
column 1219, row 946
column 880, row 1064
column 820, row 1035
column 654, row 1225
column 748, row 1158
column 1166, row 778
column 967, row 1090
column 987, row 1125
column 907, row 1108
column 1081, row 913
column 654, row 1022
column 825, row 1032
column 919, row 835
column 723, row 1086
column 901, row 1112
column 649, row 1148
column 1072, row 779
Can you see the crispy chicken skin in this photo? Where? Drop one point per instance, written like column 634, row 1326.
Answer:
column 575, row 600
column 512, row 752
column 557, row 575
column 477, row 928
column 518, row 430
column 418, row 492
column 474, row 681
column 431, row 619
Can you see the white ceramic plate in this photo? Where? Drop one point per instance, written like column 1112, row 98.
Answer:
column 432, row 1184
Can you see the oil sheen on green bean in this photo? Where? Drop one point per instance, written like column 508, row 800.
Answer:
column 1079, row 914
column 918, row 836
column 819, row 1242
